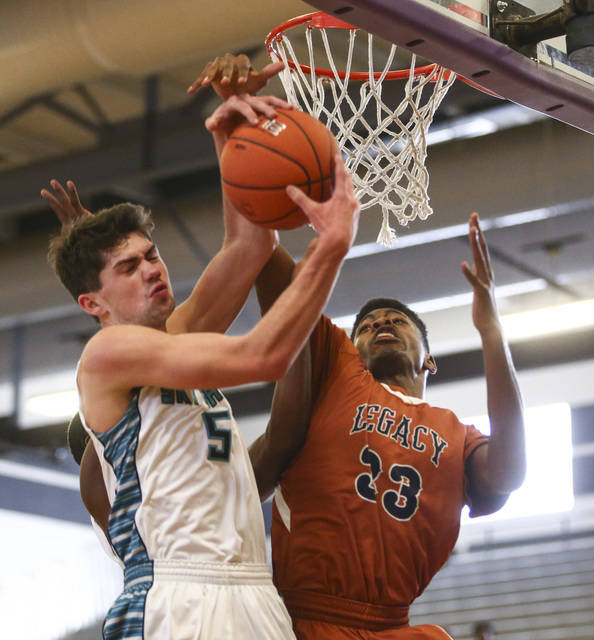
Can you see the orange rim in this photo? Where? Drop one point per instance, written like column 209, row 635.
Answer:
column 321, row 20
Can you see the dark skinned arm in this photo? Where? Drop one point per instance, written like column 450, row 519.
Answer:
column 290, row 413
column 287, row 428
column 274, row 278
column 92, row 488
column 499, row 467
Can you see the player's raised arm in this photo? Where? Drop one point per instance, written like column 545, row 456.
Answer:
column 224, row 285
column 124, row 356
column 290, row 413
column 287, row 427
column 274, row 278
column 500, row 466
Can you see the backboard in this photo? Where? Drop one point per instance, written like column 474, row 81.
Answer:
column 466, row 38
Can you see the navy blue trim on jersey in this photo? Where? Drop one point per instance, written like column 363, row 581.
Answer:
column 125, row 619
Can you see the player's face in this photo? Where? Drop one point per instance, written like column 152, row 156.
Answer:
column 390, row 343
column 135, row 285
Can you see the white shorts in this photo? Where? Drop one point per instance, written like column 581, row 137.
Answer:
column 199, row 601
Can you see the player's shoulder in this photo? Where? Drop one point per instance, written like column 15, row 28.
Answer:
column 335, row 333
column 111, row 345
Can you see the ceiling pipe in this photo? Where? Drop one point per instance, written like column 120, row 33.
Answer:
column 50, row 44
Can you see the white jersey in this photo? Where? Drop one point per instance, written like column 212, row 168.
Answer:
column 184, row 502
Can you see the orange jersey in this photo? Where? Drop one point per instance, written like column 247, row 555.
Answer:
column 369, row 510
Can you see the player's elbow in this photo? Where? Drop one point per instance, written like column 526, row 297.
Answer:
column 262, row 362
column 275, row 364
column 515, row 470
column 515, row 477
column 507, row 479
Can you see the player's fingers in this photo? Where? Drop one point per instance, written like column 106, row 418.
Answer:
column 484, row 249
column 479, row 243
column 469, row 275
column 229, row 109
column 196, row 84
column 50, row 199
column 74, row 199
column 279, row 103
column 243, row 66
column 300, row 199
column 249, row 107
column 272, row 69
column 260, row 105
column 350, row 188
column 342, row 179
column 60, row 193
column 55, row 206
column 227, row 68
column 477, row 254
column 203, row 79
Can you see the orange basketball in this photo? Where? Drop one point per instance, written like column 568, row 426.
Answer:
column 259, row 161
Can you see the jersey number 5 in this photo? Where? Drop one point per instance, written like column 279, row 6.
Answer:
column 402, row 502
column 221, row 448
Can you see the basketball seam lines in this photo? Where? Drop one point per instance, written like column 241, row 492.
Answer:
column 273, row 150
column 285, row 215
column 311, row 144
column 297, row 184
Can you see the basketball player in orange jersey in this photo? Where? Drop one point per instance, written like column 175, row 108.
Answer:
column 369, row 510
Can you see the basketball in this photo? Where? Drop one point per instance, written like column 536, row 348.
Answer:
column 259, row 161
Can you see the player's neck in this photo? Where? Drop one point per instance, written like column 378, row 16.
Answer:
column 414, row 387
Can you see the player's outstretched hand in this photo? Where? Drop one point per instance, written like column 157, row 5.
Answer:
column 335, row 220
column 480, row 277
column 230, row 75
column 66, row 205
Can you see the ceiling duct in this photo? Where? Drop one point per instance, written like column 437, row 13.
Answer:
column 49, row 44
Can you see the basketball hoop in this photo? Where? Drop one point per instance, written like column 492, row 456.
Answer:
column 385, row 156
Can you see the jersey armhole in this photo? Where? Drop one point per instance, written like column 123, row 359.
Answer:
column 480, row 504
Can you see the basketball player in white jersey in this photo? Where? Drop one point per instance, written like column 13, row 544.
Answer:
column 185, row 518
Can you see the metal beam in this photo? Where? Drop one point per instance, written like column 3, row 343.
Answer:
column 151, row 98
column 92, row 104
column 71, row 114
column 180, row 144
column 21, row 108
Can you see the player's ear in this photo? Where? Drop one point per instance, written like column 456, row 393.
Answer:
column 429, row 364
column 89, row 304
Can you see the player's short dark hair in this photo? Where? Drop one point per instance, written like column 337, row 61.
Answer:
column 77, row 438
column 390, row 303
column 78, row 253
column 483, row 626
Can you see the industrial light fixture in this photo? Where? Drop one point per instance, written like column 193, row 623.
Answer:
column 548, row 446
column 517, row 326
column 549, row 320
column 60, row 405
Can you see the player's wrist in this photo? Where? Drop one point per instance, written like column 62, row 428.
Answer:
column 491, row 333
column 333, row 245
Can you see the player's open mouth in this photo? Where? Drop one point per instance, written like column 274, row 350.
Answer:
column 160, row 288
column 384, row 336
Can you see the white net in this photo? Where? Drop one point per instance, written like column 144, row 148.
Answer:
column 384, row 146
